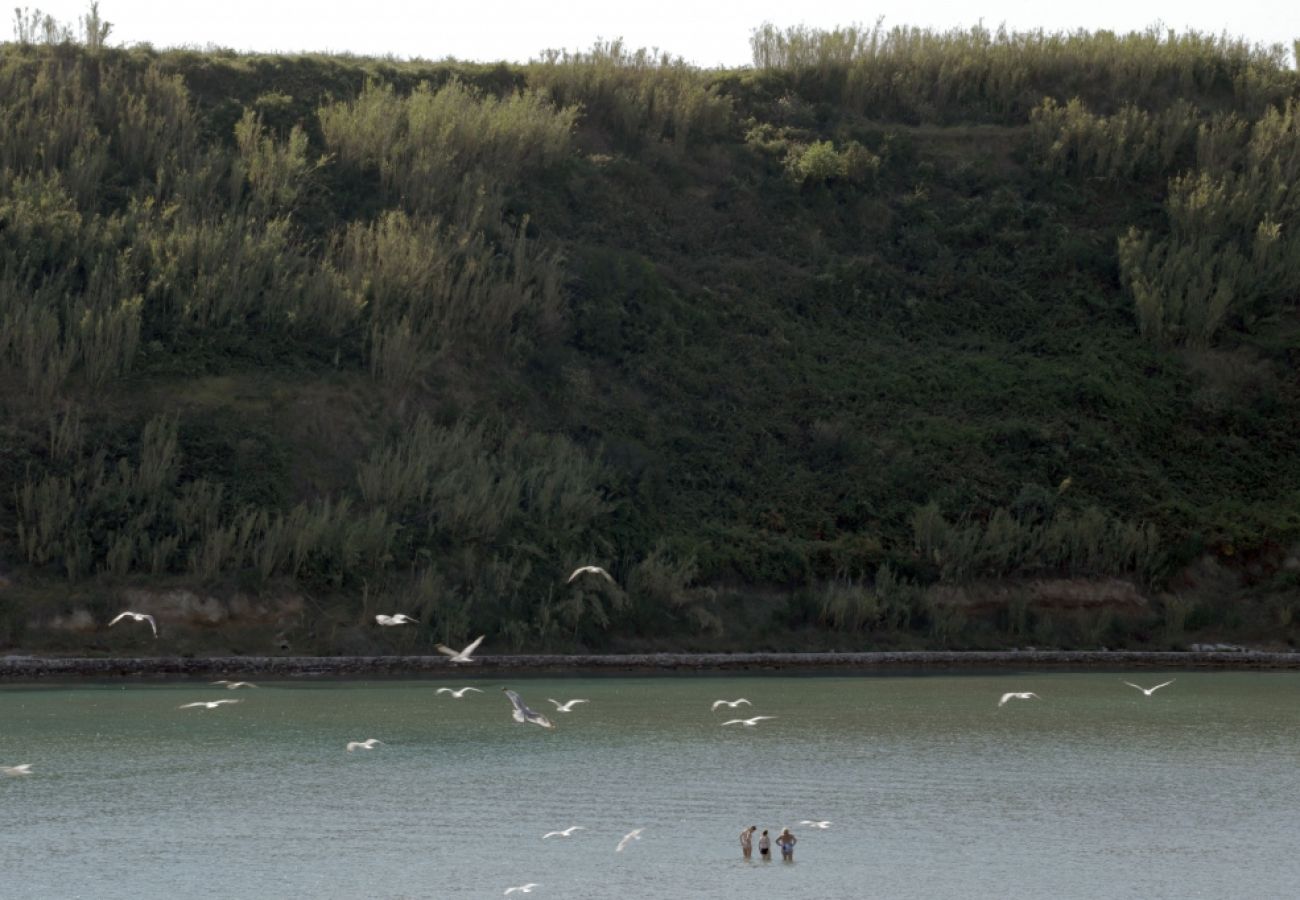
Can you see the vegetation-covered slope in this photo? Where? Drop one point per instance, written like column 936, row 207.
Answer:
column 783, row 347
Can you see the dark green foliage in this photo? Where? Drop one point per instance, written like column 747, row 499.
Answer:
column 438, row 333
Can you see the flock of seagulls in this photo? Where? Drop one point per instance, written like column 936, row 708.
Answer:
column 520, row 711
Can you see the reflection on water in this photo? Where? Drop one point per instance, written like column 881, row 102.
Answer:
column 933, row 791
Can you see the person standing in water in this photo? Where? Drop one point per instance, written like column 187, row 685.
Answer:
column 786, row 841
column 764, row 847
column 747, row 841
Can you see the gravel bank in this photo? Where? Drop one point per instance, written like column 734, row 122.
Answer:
column 29, row 668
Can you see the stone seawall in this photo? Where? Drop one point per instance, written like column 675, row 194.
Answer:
column 30, row 668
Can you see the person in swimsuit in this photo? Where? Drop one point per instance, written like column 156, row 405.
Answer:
column 786, row 841
column 747, row 841
column 764, row 847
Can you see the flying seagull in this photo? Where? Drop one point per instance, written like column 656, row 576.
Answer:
column 461, row 656
column 458, row 694
column 1021, row 695
column 1151, row 690
column 522, row 889
column 207, row 704
column 522, row 713
column 811, row 824
column 568, row 832
column 566, row 707
column 15, row 771
column 748, row 723
column 138, row 617
column 367, row 744
column 629, row 838
column 399, row 619
column 232, row 685
column 591, row 570
column 732, row 703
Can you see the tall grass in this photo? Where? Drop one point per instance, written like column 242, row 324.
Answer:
column 916, row 74
column 450, row 148
column 1068, row 543
column 1225, row 254
column 638, row 96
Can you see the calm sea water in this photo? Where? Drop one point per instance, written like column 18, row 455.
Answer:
column 933, row 791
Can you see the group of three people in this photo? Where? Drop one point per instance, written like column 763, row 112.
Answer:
column 785, row 840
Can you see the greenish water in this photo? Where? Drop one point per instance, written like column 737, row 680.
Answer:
column 933, row 791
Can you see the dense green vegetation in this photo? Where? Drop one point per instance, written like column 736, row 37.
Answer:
column 782, row 347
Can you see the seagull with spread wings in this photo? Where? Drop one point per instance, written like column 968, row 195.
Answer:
column 137, row 617
column 398, row 619
column 732, row 703
column 207, row 704
column 16, row 771
column 1018, row 695
column 367, row 744
column 458, row 694
column 461, row 656
column 634, row 835
column 748, row 723
column 566, row 706
column 521, row 713
column 568, row 832
column 235, row 685
column 591, row 570
column 1151, row 690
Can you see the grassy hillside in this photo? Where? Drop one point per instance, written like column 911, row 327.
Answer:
column 784, row 348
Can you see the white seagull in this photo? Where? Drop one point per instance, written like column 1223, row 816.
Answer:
column 1018, row 695
column 138, row 617
column 207, row 704
column 628, row 838
column 732, row 703
column 399, row 619
column 522, row 889
column 232, row 685
column 15, row 771
column 461, row 656
column 1151, row 690
column 367, row 744
column 458, row 694
column 811, row 824
column 568, row 832
column 591, row 570
column 566, row 707
column 522, row 713
column 748, row 723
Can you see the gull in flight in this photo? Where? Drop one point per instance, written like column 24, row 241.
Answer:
column 522, row 889
column 568, row 832
column 15, row 771
column 1151, row 690
column 628, row 838
column 232, row 685
column 1021, row 695
column 566, row 707
column 748, row 723
column 732, row 703
column 207, row 704
column 458, row 694
column 522, row 713
column 367, row 744
column 399, row 619
column 138, row 617
column 591, row 570
column 461, row 656
column 811, row 824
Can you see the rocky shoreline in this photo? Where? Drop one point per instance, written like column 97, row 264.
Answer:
column 31, row 668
